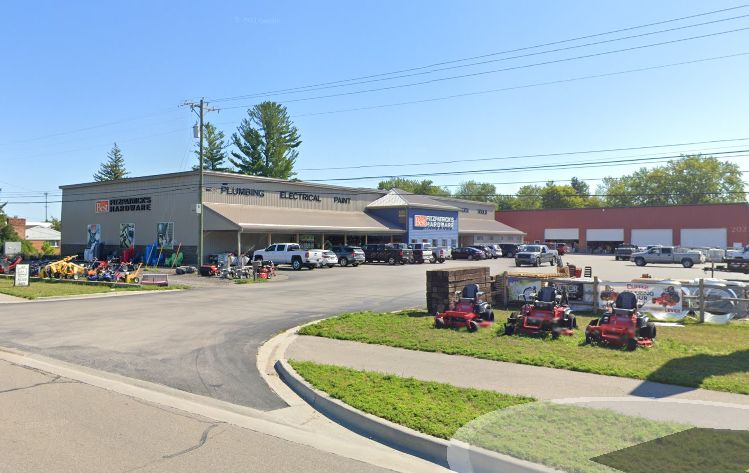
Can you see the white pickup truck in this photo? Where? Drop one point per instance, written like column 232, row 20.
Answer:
column 290, row 253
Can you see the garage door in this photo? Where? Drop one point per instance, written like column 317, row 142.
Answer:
column 561, row 234
column 605, row 234
column 652, row 236
column 697, row 237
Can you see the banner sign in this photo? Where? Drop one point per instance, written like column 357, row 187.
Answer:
column 432, row 221
column 22, row 275
column 127, row 235
column 661, row 301
column 165, row 235
column 519, row 287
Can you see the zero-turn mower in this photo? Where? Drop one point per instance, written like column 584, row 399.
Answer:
column 547, row 312
column 469, row 310
column 623, row 325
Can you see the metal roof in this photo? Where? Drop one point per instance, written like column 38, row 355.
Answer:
column 42, row 233
column 398, row 198
column 486, row 226
column 251, row 218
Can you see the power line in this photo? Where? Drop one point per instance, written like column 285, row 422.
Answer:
column 517, row 87
column 525, row 156
column 526, row 48
column 573, row 165
column 506, row 69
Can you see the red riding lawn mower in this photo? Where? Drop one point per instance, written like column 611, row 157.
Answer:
column 622, row 326
column 547, row 312
column 469, row 310
column 7, row 266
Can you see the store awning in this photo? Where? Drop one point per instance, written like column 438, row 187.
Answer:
column 250, row 218
column 485, row 226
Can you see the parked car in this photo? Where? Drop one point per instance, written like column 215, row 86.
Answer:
column 426, row 252
column 390, row 253
column 536, row 255
column 562, row 248
column 349, row 255
column 509, row 249
column 497, row 250
column 443, row 253
column 329, row 259
column 623, row 252
column 468, row 252
column 290, row 253
column 668, row 255
column 488, row 250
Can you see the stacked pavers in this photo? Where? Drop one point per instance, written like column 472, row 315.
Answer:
column 443, row 283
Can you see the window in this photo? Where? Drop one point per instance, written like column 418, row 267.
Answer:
column 53, row 243
column 434, row 242
column 413, row 240
column 271, row 248
column 293, row 248
column 479, row 237
column 444, row 242
column 453, row 243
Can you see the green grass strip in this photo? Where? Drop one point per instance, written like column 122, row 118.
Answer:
column 707, row 356
column 436, row 409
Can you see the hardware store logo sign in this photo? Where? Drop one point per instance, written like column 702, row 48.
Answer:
column 132, row 204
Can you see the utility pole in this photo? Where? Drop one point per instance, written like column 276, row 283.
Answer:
column 201, row 106
column 45, row 207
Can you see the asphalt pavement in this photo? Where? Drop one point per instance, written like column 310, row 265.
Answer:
column 205, row 340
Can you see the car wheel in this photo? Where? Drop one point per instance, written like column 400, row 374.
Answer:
column 538, row 262
column 136, row 280
column 639, row 261
column 391, row 261
column 687, row 263
column 344, row 262
column 296, row 264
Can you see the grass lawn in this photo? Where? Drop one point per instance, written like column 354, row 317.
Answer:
column 708, row 356
column 436, row 409
column 250, row 281
column 560, row 436
column 64, row 288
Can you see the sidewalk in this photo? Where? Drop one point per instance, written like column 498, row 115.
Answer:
column 683, row 404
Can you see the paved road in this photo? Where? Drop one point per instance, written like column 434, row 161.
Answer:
column 55, row 424
column 204, row 341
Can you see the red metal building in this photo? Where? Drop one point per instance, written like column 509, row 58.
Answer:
column 712, row 225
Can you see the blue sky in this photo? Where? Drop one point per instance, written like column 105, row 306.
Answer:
column 79, row 76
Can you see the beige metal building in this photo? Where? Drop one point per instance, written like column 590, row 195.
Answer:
column 241, row 213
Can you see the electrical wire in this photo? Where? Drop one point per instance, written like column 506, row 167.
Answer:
column 442, row 63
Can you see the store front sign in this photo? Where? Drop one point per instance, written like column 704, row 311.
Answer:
column 434, row 222
column 224, row 189
column 299, row 196
column 131, row 204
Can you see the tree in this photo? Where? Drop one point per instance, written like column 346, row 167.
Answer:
column 214, row 154
column 266, row 142
column 688, row 180
column 424, row 187
column 113, row 168
column 528, row 197
column 7, row 232
column 56, row 224
column 479, row 191
column 554, row 196
column 581, row 187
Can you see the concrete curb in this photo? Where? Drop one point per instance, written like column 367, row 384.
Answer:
column 439, row 451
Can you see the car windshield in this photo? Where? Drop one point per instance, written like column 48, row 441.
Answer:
column 532, row 249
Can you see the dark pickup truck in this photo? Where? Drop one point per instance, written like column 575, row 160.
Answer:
column 390, row 253
column 623, row 252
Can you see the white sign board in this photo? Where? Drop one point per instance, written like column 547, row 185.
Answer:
column 22, row 275
column 12, row 248
column 660, row 301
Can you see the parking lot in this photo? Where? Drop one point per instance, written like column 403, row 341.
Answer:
column 204, row 340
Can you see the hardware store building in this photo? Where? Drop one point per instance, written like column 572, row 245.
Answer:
column 244, row 213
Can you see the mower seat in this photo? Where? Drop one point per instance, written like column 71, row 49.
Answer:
column 471, row 291
column 626, row 302
column 546, row 298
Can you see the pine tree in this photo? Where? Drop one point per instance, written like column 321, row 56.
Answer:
column 113, row 168
column 267, row 142
column 214, row 156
